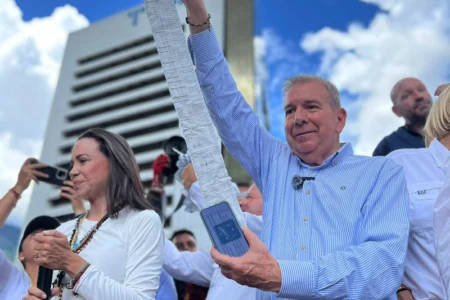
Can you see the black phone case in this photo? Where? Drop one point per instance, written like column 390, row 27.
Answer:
column 56, row 175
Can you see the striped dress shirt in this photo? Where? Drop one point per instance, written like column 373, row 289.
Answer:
column 343, row 235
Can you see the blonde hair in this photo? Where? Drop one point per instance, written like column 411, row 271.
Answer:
column 438, row 121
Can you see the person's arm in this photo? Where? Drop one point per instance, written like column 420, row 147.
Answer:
column 27, row 173
column 237, row 124
column 196, row 267
column 143, row 268
column 374, row 268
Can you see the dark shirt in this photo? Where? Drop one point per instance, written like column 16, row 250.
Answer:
column 190, row 291
column 402, row 138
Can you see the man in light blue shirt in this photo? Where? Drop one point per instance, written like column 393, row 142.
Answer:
column 343, row 233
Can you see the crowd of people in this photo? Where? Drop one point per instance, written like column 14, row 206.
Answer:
column 357, row 227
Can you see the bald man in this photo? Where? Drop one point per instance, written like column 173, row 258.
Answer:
column 412, row 102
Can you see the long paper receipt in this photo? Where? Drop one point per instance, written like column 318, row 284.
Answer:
column 195, row 122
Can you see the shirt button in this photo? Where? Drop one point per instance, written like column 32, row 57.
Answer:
column 308, row 192
column 311, row 171
column 334, row 163
column 303, row 247
column 305, row 219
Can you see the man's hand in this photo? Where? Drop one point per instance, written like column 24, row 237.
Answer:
column 256, row 268
column 197, row 14
column 441, row 89
column 188, row 177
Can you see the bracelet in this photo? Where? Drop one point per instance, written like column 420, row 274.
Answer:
column 199, row 25
column 74, row 281
column 15, row 193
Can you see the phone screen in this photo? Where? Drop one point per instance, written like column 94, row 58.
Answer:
column 224, row 230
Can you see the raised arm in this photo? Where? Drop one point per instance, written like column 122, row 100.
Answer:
column 27, row 172
column 237, row 124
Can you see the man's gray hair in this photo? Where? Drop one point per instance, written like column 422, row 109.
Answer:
column 332, row 90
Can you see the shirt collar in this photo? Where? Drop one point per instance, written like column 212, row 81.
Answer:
column 440, row 154
column 335, row 159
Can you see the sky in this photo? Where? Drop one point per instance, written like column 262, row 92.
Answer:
column 363, row 46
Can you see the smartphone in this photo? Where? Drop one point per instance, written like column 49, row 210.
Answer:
column 56, row 175
column 224, row 230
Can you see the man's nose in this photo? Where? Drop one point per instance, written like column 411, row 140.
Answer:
column 301, row 117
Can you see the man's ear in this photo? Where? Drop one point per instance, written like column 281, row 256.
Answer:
column 396, row 111
column 341, row 119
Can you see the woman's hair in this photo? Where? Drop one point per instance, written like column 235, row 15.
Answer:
column 438, row 121
column 124, row 187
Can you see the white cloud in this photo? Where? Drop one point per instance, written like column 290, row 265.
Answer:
column 30, row 58
column 409, row 38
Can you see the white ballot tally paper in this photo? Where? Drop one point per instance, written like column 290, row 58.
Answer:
column 195, row 122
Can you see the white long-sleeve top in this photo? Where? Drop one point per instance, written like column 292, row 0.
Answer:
column 442, row 231
column 199, row 268
column 125, row 256
column 424, row 177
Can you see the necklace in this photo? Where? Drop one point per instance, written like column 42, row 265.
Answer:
column 73, row 242
column 78, row 247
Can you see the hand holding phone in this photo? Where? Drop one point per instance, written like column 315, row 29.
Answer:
column 29, row 171
column 55, row 175
column 224, row 230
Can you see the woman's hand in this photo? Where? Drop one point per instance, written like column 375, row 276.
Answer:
column 52, row 250
column 34, row 293
column 29, row 172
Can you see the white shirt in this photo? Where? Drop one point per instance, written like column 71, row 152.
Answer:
column 199, row 268
column 424, row 178
column 14, row 283
column 442, row 231
column 125, row 256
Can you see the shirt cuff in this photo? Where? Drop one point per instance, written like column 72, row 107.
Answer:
column 204, row 46
column 86, row 274
column 297, row 279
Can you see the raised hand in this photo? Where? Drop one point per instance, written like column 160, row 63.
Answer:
column 188, row 177
column 69, row 193
column 29, row 172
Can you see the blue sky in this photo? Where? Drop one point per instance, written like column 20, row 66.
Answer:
column 363, row 46
column 285, row 19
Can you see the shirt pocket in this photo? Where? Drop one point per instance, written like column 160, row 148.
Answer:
column 421, row 202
